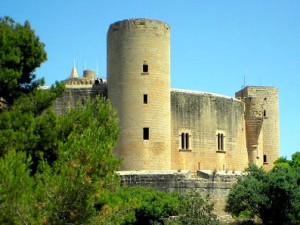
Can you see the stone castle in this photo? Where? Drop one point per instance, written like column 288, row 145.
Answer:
column 170, row 129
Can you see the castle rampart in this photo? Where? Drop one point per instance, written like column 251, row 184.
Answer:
column 208, row 119
column 215, row 186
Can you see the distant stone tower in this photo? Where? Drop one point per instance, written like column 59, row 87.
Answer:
column 262, row 124
column 138, row 70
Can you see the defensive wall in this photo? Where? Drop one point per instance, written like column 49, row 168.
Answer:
column 204, row 117
column 249, row 125
column 215, row 185
column 78, row 94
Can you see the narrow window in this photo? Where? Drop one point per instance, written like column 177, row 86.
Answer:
column 265, row 158
column 265, row 113
column 145, row 68
column 186, row 141
column 182, row 141
column 146, row 133
column 145, row 99
column 219, row 141
column 222, row 142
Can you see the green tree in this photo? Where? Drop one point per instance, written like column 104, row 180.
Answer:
column 196, row 210
column 29, row 125
column 17, row 199
column 21, row 52
column 68, row 191
column 147, row 206
column 137, row 206
column 85, row 166
column 273, row 196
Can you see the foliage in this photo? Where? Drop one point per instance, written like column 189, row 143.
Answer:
column 80, row 186
column 137, row 206
column 273, row 196
column 67, row 191
column 146, row 206
column 196, row 210
column 17, row 199
column 30, row 126
column 21, row 52
column 85, row 166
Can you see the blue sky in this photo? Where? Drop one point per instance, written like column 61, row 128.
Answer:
column 214, row 44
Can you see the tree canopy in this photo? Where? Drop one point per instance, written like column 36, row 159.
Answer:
column 67, row 190
column 21, row 52
column 273, row 197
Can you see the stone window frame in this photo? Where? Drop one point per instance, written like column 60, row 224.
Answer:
column 185, row 140
column 220, row 141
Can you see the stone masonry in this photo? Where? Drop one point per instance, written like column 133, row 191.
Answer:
column 170, row 129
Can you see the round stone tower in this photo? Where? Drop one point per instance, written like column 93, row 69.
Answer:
column 138, row 75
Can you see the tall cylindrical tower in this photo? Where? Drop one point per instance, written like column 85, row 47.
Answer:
column 138, row 70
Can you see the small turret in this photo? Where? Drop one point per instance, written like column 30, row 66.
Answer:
column 74, row 73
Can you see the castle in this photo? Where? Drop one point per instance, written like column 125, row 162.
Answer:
column 170, row 129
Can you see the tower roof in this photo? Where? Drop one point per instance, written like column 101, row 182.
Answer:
column 74, row 73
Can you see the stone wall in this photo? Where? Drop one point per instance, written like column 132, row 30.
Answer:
column 203, row 116
column 78, row 94
column 215, row 186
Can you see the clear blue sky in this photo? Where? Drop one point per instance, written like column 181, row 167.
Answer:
column 214, row 44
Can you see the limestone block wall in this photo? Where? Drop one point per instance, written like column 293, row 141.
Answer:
column 75, row 95
column 217, row 188
column 138, row 70
column 262, row 122
column 206, row 117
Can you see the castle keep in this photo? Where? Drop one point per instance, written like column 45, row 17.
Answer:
column 170, row 129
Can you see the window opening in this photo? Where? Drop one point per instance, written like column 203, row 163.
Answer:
column 145, row 68
column 220, row 141
column 182, row 141
column 265, row 113
column 265, row 158
column 146, row 133
column 185, row 141
column 145, row 99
